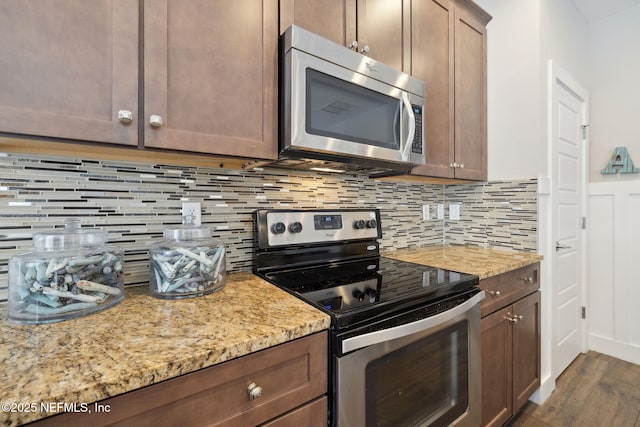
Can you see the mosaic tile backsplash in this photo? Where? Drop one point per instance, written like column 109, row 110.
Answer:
column 134, row 201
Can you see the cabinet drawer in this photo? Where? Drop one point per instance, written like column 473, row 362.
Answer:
column 289, row 374
column 504, row 289
column 313, row 414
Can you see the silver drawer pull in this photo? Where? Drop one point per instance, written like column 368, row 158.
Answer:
column 527, row 279
column 495, row 293
column 513, row 318
column 255, row 391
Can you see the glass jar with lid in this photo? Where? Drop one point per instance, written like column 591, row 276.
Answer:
column 188, row 263
column 71, row 273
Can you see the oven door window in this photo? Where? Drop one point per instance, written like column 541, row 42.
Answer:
column 346, row 111
column 422, row 383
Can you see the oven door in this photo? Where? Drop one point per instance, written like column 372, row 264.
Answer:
column 422, row 373
column 331, row 109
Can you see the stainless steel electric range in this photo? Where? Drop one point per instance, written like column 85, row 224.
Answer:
column 404, row 338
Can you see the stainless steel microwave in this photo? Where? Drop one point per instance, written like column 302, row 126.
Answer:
column 341, row 110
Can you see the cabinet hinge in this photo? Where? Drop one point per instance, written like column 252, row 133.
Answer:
column 584, row 222
column 584, row 312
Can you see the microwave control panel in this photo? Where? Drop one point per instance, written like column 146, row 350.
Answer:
column 416, row 147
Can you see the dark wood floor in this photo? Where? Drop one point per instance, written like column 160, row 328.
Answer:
column 595, row 390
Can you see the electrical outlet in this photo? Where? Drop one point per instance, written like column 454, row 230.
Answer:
column 440, row 211
column 425, row 213
column 191, row 213
column 454, row 212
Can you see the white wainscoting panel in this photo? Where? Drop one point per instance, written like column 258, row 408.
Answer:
column 613, row 271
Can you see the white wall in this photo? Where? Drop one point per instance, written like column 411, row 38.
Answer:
column 614, row 200
column 522, row 36
column 614, row 52
column 514, row 89
column 564, row 38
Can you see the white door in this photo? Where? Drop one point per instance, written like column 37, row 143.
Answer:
column 569, row 111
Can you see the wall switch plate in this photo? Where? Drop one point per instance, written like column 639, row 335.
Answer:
column 425, row 213
column 454, row 212
column 440, row 211
column 191, row 213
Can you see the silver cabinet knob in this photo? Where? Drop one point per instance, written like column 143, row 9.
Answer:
column 255, row 391
column 495, row 293
column 354, row 45
column 125, row 116
column 519, row 317
column 365, row 49
column 155, row 121
column 461, row 165
column 527, row 279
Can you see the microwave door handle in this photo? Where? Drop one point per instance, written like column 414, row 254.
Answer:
column 371, row 338
column 412, row 127
column 397, row 118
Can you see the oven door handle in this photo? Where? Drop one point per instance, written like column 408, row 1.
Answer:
column 365, row 340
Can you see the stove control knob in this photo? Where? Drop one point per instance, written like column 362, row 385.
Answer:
column 278, row 228
column 372, row 223
column 359, row 224
column 371, row 293
column 295, row 227
column 358, row 294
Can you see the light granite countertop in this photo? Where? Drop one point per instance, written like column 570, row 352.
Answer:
column 467, row 259
column 143, row 341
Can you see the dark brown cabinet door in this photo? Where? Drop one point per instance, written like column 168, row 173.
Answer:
column 432, row 61
column 68, row 68
column 470, row 96
column 377, row 25
column 332, row 19
column 448, row 51
column 526, row 349
column 497, row 370
column 510, row 355
column 383, row 31
column 210, row 71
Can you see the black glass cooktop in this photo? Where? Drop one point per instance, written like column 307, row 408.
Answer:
column 353, row 291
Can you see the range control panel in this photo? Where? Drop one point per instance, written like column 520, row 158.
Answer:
column 293, row 227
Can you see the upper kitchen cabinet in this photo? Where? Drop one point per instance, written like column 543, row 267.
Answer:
column 69, row 69
column 211, row 76
column 372, row 27
column 448, row 41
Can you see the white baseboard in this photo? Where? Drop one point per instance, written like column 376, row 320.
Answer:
column 547, row 385
column 627, row 352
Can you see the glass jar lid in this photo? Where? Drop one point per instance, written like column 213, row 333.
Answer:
column 70, row 237
column 186, row 232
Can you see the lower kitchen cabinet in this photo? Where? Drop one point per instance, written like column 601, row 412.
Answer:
column 510, row 344
column 284, row 385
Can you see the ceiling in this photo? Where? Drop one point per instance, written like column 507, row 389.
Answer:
column 594, row 10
